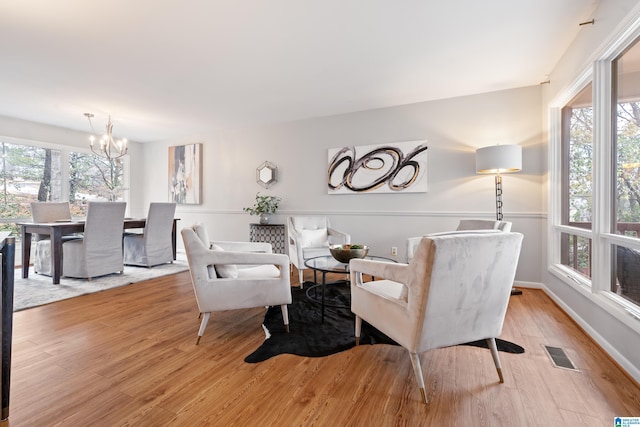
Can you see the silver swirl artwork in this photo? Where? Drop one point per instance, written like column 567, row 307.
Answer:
column 389, row 168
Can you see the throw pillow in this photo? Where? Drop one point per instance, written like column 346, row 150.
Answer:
column 225, row 271
column 314, row 238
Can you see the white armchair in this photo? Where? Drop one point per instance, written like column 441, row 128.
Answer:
column 479, row 225
column 234, row 275
column 484, row 224
column 310, row 236
column 455, row 290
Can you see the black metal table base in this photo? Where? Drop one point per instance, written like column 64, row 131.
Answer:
column 323, row 299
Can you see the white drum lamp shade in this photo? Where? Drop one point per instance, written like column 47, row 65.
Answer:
column 499, row 159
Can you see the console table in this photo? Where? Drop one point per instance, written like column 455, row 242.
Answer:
column 269, row 233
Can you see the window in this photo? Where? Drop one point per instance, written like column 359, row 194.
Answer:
column 28, row 174
column 627, row 143
column 577, row 180
column 93, row 178
column 596, row 162
column 33, row 173
column 626, row 194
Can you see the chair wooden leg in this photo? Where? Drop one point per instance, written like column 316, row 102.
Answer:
column 358, row 329
column 285, row 316
column 301, row 277
column 417, row 371
column 496, row 359
column 203, row 325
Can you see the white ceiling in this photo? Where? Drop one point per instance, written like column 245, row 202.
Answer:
column 176, row 68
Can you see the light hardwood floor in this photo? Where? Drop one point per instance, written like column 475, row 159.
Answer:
column 127, row 356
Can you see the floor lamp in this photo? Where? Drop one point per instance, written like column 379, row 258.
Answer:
column 499, row 159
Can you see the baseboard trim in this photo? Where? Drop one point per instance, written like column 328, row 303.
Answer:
column 528, row 285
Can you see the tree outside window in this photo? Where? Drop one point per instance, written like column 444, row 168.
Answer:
column 31, row 173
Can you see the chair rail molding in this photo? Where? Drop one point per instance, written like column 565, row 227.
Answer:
column 435, row 214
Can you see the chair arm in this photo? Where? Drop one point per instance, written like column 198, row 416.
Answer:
column 338, row 237
column 397, row 272
column 240, row 258
column 295, row 250
column 232, row 246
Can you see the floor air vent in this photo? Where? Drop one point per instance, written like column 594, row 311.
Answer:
column 559, row 358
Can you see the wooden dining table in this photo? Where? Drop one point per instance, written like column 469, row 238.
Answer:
column 55, row 231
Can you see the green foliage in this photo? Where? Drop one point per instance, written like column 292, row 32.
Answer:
column 264, row 204
column 580, row 151
column 628, row 163
column 581, row 165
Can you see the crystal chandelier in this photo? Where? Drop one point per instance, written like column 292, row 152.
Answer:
column 108, row 147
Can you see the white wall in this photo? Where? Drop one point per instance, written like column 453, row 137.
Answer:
column 612, row 332
column 453, row 128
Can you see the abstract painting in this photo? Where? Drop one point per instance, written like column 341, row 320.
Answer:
column 398, row 167
column 185, row 174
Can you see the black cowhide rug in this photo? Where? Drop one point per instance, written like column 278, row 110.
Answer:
column 310, row 338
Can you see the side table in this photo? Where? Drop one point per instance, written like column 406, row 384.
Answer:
column 269, row 233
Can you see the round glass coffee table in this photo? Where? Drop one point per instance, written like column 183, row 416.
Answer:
column 328, row 264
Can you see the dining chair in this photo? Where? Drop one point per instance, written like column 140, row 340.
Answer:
column 99, row 251
column 455, row 290
column 50, row 211
column 309, row 237
column 235, row 275
column 42, row 212
column 153, row 246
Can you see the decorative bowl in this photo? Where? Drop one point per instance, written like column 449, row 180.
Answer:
column 344, row 253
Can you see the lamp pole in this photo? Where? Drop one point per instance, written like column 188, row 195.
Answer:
column 499, row 197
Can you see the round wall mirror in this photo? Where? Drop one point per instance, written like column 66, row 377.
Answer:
column 267, row 174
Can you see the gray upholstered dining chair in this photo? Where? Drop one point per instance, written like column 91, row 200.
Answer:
column 235, row 275
column 455, row 290
column 50, row 211
column 42, row 212
column 310, row 236
column 99, row 251
column 153, row 246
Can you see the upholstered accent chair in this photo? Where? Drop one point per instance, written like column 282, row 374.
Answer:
column 484, row 224
column 628, row 272
column 235, row 275
column 455, row 290
column 43, row 212
column 99, row 252
column 310, row 236
column 463, row 225
column 153, row 246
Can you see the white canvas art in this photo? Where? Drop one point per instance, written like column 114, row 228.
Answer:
column 397, row 167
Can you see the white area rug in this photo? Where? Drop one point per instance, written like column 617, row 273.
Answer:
column 38, row 289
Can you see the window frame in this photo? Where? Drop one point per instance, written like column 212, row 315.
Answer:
column 602, row 75
column 64, row 164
